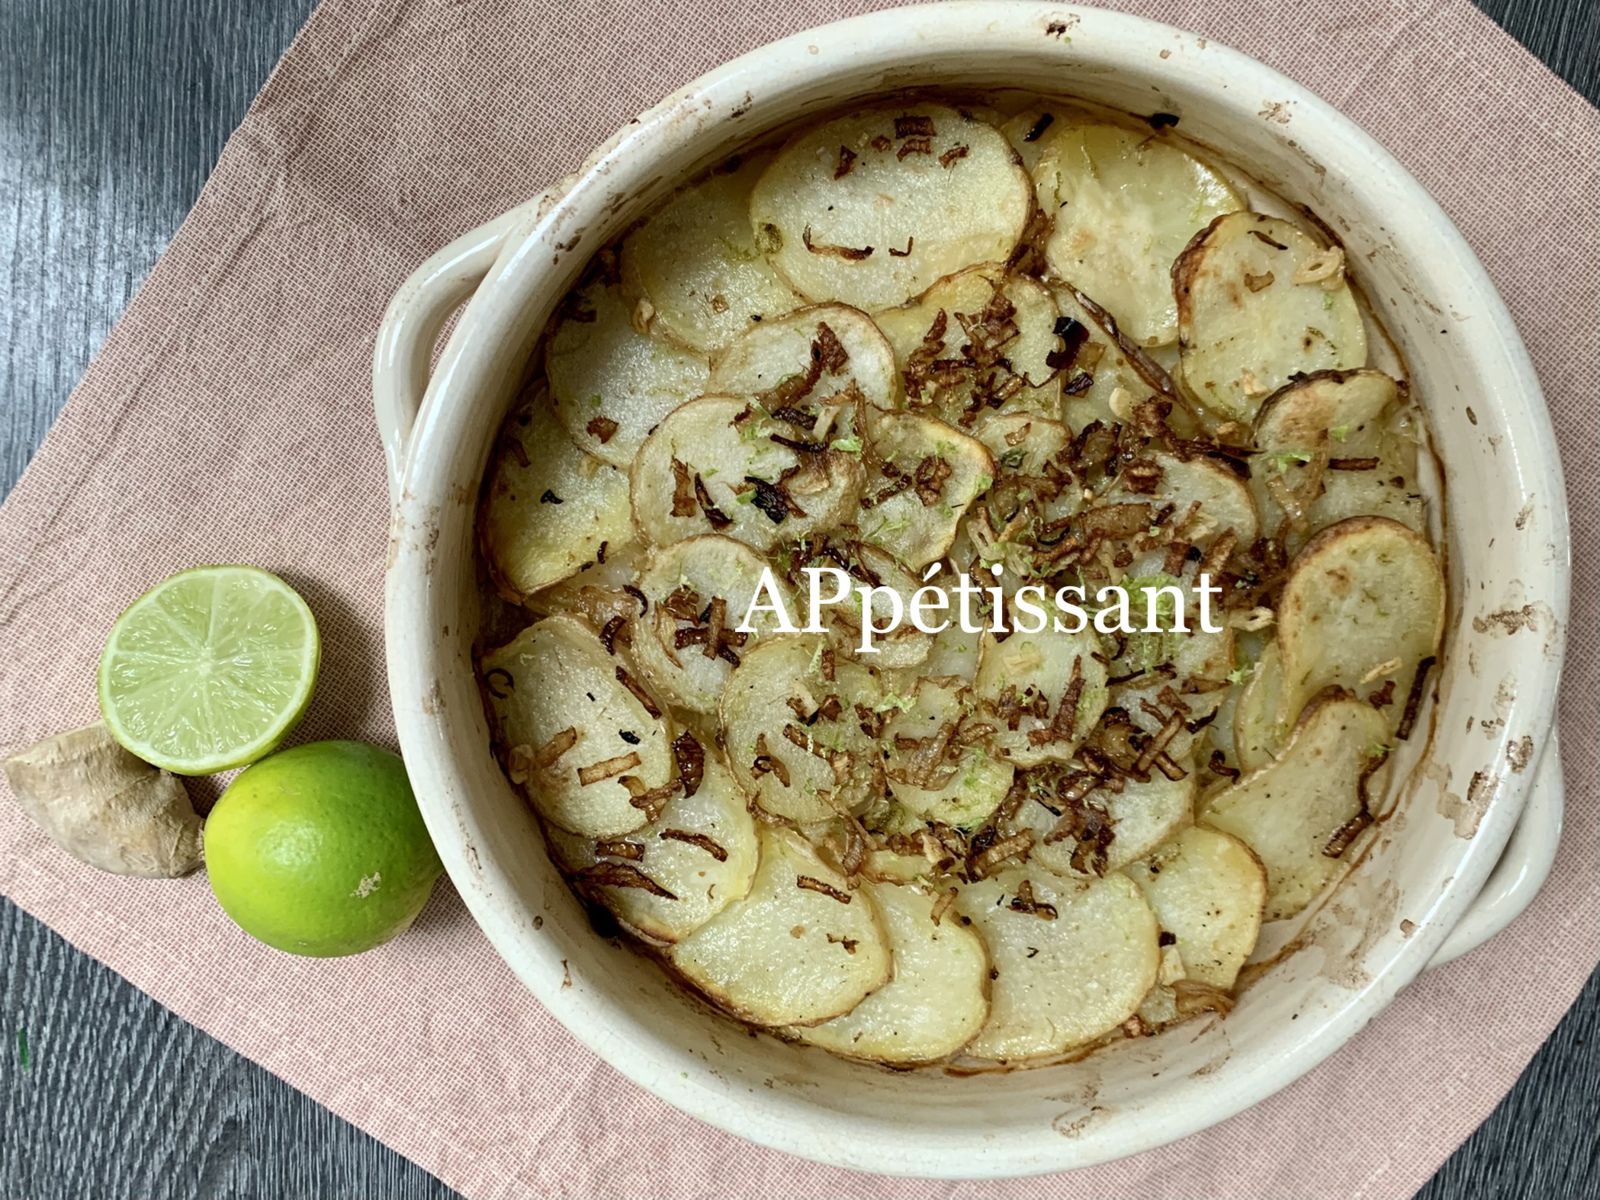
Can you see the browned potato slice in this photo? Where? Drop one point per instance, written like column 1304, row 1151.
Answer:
column 793, row 735
column 1300, row 812
column 749, row 486
column 1363, row 604
column 928, row 474
column 611, row 383
column 1349, row 417
column 549, row 506
column 1070, row 961
column 871, row 208
column 1208, row 891
column 847, row 346
column 799, row 949
column 666, row 879
column 937, row 998
column 699, row 591
column 1125, row 203
column 1028, row 672
column 561, row 707
column 1001, row 326
column 1260, row 301
column 695, row 261
column 1224, row 499
column 932, row 775
column 1332, row 409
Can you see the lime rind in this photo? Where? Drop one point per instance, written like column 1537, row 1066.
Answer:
column 210, row 669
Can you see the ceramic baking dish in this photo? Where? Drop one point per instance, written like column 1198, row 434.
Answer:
column 1429, row 889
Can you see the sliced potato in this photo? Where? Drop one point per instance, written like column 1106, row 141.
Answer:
column 611, row 384
column 1345, row 415
column 779, row 350
column 954, row 655
column 1070, row 961
column 799, row 949
column 1260, row 723
column 871, row 208
column 1218, row 736
column 1192, row 655
column 1023, row 682
column 1333, row 409
column 872, row 566
column 1106, row 376
column 932, row 774
column 1208, row 891
column 1224, row 499
column 684, row 583
column 1308, row 802
column 1246, row 326
column 937, row 998
column 561, row 707
column 1125, row 203
column 793, row 735
column 1027, row 130
column 889, row 866
column 669, row 877
column 549, row 507
column 1021, row 443
column 749, row 486
column 1347, row 494
column 696, row 262
column 1141, row 816
column 926, row 475
column 596, row 593
column 1363, row 604
column 992, row 334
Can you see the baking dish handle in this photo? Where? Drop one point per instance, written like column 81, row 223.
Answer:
column 1523, row 866
column 403, row 357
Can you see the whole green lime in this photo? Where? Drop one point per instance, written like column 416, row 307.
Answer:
column 320, row 850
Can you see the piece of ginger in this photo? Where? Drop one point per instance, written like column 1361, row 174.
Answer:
column 105, row 807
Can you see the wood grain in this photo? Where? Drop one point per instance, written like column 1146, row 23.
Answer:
column 111, row 114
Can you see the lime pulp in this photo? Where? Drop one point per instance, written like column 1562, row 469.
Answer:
column 209, row 669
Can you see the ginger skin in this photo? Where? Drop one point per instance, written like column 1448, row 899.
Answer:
column 105, row 807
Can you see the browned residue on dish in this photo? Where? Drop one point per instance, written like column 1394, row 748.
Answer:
column 1466, row 812
column 1519, row 753
column 1374, row 915
column 1213, row 1066
column 1073, row 1123
column 433, row 700
column 1512, row 620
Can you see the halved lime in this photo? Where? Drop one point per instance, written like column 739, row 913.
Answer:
column 209, row 669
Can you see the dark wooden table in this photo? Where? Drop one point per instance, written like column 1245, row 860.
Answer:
column 111, row 115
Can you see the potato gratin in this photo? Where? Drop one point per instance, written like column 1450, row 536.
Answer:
column 1028, row 343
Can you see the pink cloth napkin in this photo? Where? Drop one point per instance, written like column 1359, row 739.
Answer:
column 228, row 419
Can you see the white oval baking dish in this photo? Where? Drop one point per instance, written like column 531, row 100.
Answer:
column 1429, row 890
